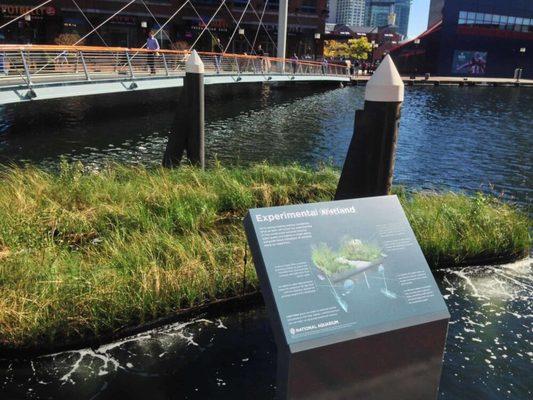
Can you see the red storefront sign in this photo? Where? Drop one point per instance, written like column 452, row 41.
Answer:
column 14, row 10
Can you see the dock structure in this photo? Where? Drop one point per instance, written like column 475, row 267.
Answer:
column 452, row 81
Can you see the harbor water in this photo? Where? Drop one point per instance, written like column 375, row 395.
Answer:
column 463, row 139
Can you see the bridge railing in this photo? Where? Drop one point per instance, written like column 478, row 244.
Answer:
column 30, row 64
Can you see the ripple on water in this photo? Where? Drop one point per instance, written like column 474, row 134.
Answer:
column 488, row 355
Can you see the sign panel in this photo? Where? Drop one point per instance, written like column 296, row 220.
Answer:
column 340, row 270
column 469, row 62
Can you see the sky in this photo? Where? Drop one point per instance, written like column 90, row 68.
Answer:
column 418, row 18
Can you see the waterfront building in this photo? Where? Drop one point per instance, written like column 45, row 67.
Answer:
column 490, row 38
column 382, row 39
column 130, row 28
column 350, row 12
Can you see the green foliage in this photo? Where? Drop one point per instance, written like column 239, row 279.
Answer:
column 353, row 249
column 325, row 258
column 357, row 49
column 331, row 261
column 85, row 253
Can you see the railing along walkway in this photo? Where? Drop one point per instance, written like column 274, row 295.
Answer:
column 32, row 65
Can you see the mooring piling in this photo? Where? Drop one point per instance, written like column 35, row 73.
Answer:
column 369, row 164
column 189, row 126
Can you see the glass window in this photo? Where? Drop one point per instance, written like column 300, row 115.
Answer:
column 462, row 21
column 479, row 18
column 519, row 21
column 471, row 15
column 488, row 18
column 512, row 20
column 503, row 20
column 495, row 19
column 462, row 14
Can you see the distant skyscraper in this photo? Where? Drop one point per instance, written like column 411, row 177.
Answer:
column 379, row 13
column 332, row 6
column 402, row 9
column 388, row 12
column 350, row 12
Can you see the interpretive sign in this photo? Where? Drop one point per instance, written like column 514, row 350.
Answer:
column 336, row 271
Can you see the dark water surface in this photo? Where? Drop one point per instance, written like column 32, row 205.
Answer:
column 454, row 138
column 459, row 138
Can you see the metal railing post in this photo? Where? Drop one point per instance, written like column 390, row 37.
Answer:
column 84, row 64
column 165, row 64
column 132, row 75
column 237, row 64
column 26, row 69
column 77, row 62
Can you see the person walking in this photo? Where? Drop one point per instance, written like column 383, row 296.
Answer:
column 153, row 46
column 324, row 66
column 294, row 60
column 261, row 53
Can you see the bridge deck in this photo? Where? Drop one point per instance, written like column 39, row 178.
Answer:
column 33, row 73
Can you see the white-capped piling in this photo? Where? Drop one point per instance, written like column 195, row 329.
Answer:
column 369, row 164
column 189, row 126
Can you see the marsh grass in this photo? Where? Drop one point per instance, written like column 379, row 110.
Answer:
column 85, row 254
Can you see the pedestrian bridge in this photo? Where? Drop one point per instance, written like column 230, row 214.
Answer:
column 32, row 73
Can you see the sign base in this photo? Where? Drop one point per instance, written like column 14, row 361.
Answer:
column 401, row 364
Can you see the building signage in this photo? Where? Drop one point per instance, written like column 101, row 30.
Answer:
column 123, row 20
column 14, row 10
column 336, row 271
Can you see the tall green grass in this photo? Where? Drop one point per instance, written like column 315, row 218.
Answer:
column 85, row 254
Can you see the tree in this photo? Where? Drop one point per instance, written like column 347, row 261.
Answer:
column 352, row 49
column 67, row 39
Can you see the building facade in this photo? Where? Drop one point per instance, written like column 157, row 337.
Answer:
column 395, row 13
column 472, row 38
column 350, row 12
column 380, row 13
column 402, row 9
column 131, row 27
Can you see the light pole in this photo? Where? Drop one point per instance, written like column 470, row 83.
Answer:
column 416, row 42
column 241, row 36
column 518, row 71
column 282, row 29
column 317, row 42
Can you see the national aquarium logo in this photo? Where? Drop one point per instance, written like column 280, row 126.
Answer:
column 307, row 328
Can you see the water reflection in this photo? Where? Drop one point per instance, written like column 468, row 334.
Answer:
column 458, row 138
column 488, row 353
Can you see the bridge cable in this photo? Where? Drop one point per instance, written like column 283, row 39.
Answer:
column 264, row 27
column 169, row 19
column 157, row 22
column 237, row 27
column 259, row 25
column 206, row 26
column 160, row 29
column 89, row 22
column 26, row 13
column 85, row 36
column 235, row 21
column 103, row 23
